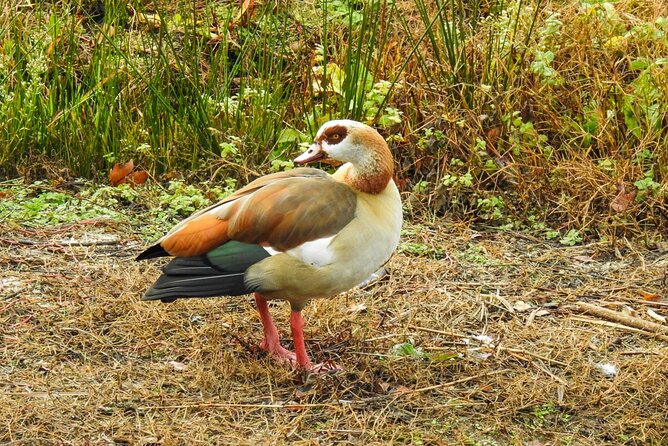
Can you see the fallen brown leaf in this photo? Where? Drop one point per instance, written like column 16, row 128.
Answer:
column 247, row 10
column 118, row 173
column 138, row 177
column 123, row 174
column 623, row 199
column 652, row 297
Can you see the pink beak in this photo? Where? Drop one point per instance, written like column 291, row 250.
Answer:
column 314, row 153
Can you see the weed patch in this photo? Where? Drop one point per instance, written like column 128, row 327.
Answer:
column 495, row 111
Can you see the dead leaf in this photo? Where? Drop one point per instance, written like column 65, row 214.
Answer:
column 583, row 258
column 357, row 308
column 138, row 177
column 153, row 20
column 123, row 174
column 178, row 366
column 628, row 311
column 382, row 387
column 651, row 297
column 475, row 354
column 118, row 173
column 301, row 393
column 485, row 388
column 623, row 199
column 247, row 10
column 401, row 390
column 493, row 135
column 520, row 306
column 656, row 316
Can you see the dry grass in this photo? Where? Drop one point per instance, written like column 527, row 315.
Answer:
column 83, row 361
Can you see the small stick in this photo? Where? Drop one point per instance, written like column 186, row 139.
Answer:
column 239, row 405
column 85, row 243
column 455, row 382
column 643, row 352
column 316, row 405
column 44, row 394
column 544, row 370
column 622, row 318
column 442, row 332
column 535, row 355
column 619, row 326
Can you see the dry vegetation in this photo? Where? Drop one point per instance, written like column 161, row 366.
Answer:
column 545, row 119
column 501, row 353
column 513, row 112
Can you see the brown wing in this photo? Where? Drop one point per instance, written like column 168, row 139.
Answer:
column 282, row 210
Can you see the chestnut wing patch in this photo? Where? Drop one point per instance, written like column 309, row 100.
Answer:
column 285, row 215
column 199, row 236
column 281, row 210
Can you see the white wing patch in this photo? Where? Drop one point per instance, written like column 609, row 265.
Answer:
column 271, row 251
column 316, row 252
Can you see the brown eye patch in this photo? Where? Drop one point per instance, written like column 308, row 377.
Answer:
column 335, row 134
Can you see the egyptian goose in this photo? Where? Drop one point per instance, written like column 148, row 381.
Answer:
column 294, row 235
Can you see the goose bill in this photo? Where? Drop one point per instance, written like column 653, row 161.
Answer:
column 314, row 153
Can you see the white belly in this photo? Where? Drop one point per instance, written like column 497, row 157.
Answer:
column 368, row 241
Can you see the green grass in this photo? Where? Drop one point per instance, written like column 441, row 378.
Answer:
column 495, row 109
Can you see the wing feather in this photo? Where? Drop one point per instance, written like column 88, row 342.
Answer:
column 281, row 210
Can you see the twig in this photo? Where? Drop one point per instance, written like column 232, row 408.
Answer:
column 44, row 394
column 454, row 383
column 508, row 349
column 652, row 303
column 442, row 332
column 474, row 284
column 552, row 375
column 622, row 318
column 643, row 352
column 618, row 326
column 87, row 243
column 396, row 395
column 318, row 405
column 14, row 294
column 61, row 244
column 535, row 355
column 240, row 405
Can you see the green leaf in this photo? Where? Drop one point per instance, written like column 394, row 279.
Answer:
column 640, row 64
column 444, row 356
column 407, row 349
column 288, row 135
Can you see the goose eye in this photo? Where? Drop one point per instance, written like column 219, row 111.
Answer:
column 336, row 136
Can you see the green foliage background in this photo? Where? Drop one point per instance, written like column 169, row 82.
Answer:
column 528, row 114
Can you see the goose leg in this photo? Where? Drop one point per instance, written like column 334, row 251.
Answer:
column 271, row 342
column 297, row 327
column 303, row 361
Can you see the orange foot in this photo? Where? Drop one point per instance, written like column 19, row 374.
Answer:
column 326, row 367
column 278, row 352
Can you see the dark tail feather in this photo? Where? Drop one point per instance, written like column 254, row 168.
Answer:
column 194, row 277
column 220, row 272
column 152, row 252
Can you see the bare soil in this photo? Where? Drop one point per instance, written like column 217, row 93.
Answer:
column 507, row 352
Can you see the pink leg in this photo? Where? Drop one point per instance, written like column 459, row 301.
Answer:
column 297, row 326
column 303, row 361
column 271, row 342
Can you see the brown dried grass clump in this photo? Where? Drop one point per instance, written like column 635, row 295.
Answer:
column 557, row 148
column 503, row 353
